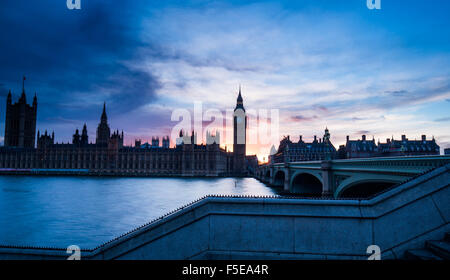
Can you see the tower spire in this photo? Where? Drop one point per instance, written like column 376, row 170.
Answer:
column 103, row 131
column 104, row 118
column 35, row 100
column 23, row 97
column 23, row 84
column 9, row 98
column 239, row 95
column 240, row 101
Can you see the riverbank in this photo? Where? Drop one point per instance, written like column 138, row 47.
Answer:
column 87, row 172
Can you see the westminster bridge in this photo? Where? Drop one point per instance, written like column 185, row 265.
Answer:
column 360, row 177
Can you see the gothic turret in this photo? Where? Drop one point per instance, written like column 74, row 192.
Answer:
column 155, row 141
column 84, row 136
column 166, row 142
column 35, row 102
column 9, row 99
column 76, row 138
column 326, row 136
column 45, row 140
column 103, row 131
column 20, row 123
column 116, row 141
column 23, row 97
column 104, row 118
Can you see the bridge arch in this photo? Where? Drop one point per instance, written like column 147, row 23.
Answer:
column 363, row 188
column 279, row 177
column 306, row 183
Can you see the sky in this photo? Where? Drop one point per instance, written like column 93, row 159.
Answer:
column 335, row 64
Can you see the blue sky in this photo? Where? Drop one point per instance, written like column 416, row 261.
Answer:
column 321, row 63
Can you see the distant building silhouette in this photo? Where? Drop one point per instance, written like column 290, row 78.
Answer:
column 363, row 148
column 20, row 123
column 406, row 147
column 447, row 151
column 318, row 149
column 109, row 156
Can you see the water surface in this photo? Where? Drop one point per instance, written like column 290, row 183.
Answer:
column 87, row 211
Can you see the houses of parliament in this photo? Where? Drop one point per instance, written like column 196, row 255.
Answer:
column 109, row 156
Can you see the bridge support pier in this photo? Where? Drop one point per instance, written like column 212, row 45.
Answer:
column 326, row 179
column 287, row 179
column 272, row 176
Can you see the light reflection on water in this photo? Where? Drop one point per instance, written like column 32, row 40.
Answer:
column 87, row 211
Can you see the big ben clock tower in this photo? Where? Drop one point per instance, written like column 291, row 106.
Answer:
column 239, row 139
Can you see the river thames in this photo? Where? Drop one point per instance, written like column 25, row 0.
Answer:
column 87, row 211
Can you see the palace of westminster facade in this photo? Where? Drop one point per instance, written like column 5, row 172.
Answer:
column 109, row 156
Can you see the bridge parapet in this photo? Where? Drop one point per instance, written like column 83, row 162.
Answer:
column 407, row 164
column 336, row 176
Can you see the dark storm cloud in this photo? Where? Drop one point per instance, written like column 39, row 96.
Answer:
column 63, row 120
column 73, row 55
column 320, row 108
column 397, row 92
column 363, row 132
column 393, row 100
column 442, row 119
column 358, row 119
column 210, row 60
column 301, row 118
column 405, row 98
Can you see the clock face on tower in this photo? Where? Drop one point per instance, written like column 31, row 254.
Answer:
column 239, row 120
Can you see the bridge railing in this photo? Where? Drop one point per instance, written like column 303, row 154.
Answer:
column 406, row 161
